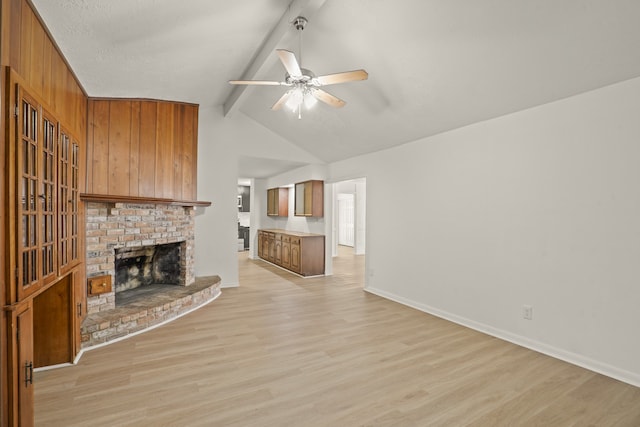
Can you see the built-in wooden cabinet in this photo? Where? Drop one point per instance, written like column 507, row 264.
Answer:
column 142, row 148
column 302, row 253
column 44, row 119
column 278, row 201
column 309, row 198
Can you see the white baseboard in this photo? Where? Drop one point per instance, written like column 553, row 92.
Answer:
column 558, row 353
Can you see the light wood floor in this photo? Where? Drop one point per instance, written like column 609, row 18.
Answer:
column 286, row 351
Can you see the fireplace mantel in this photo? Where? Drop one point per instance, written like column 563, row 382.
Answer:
column 105, row 198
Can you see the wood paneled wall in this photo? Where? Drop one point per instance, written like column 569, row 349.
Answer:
column 142, row 148
column 29, row 50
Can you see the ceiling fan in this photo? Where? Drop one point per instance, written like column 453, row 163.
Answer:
column 305, row 85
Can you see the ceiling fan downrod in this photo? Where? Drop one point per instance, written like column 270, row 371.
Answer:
column 299, row 24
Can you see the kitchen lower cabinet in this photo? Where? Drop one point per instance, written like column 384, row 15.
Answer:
column 302, row 253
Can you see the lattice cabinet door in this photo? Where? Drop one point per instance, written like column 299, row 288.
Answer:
column 69, row 198
column 36, row 191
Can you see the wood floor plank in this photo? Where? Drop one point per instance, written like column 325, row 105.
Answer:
column 286, row 351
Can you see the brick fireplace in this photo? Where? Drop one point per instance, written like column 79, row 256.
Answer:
column 133, row 228
column 153, row 246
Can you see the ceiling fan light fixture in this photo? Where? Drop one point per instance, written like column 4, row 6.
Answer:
column 305, row 85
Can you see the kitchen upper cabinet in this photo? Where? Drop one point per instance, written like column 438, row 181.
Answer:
column 309, row 198
column 278, row 202
column 143, row 148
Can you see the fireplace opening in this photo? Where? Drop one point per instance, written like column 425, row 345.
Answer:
column 136, row 267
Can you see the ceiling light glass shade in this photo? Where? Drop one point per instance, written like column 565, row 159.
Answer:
column 309, row 100
column 295, row 99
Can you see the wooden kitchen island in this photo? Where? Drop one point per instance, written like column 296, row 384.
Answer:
column 301, row 253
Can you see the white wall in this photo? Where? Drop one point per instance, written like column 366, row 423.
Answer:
column 216, row 226
column 541, row 207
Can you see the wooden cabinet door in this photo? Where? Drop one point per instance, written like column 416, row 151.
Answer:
column 265, row 246
column 79, row 308
column 282, row 201
column 52, row 314
column 299, row 199
column 260, row 244
column 272, row 247
column 21, row 366
column 271, row 202
column 36, row 177
column 25, row 368
column 286, row 252
column 68, row 202
column 278, row 251
column 295, row 255
column 309, row 198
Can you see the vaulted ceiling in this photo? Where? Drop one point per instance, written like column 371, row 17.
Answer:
column 433, row 65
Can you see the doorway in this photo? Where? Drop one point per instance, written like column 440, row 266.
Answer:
column 349, row 218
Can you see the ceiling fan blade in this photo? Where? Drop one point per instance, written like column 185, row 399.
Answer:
column 347, row 76
column 280, row 102
column 257, row 82
column 327, row 98
column 290, row 62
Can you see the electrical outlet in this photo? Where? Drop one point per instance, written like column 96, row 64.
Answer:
column 527, row 312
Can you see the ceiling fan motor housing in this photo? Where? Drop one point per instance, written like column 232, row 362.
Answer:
column 307, row 77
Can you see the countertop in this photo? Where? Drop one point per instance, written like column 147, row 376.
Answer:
column 290, row 233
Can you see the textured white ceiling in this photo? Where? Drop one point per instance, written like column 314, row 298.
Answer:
column 433, row 65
